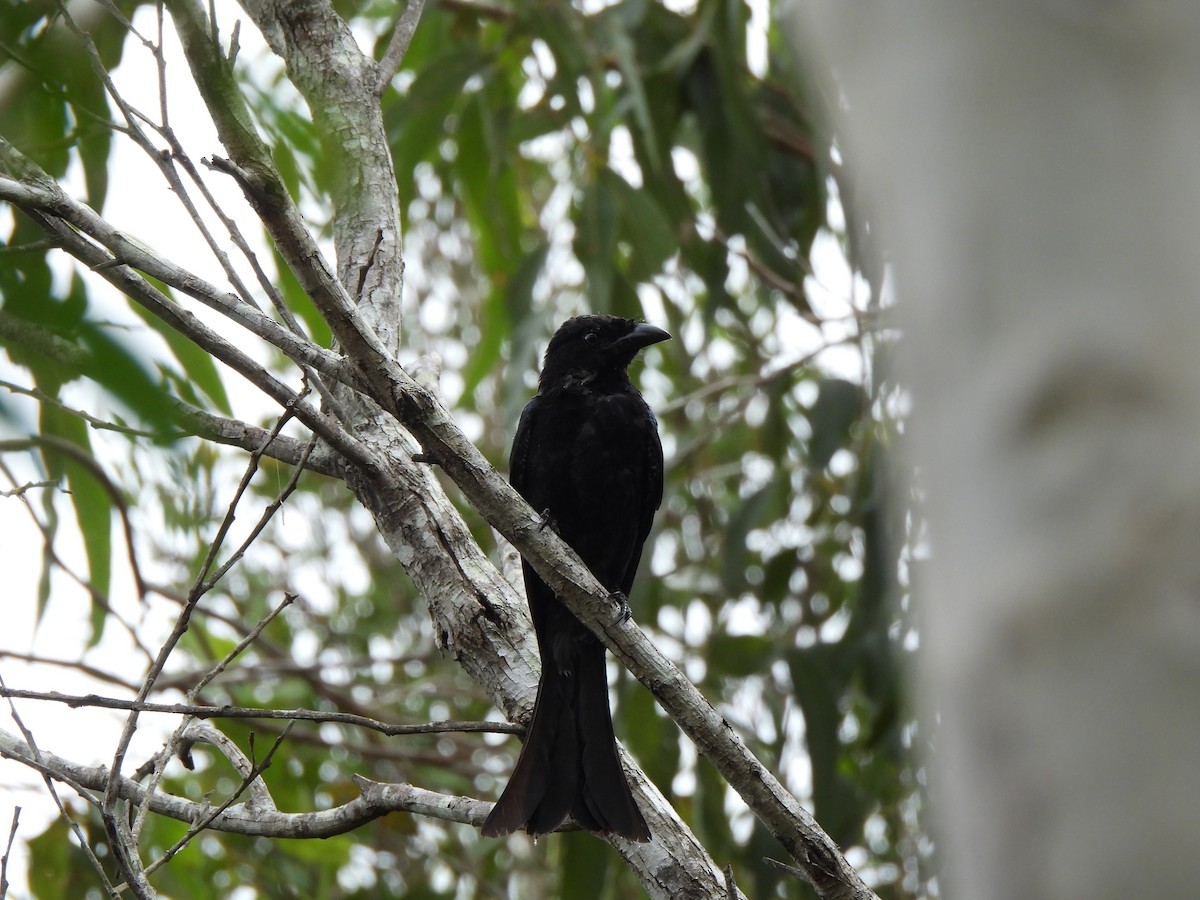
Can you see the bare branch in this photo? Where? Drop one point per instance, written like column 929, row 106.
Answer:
column 34, row 757
column 393, row 57
column 367, row 242
column 251, row 780
column 288, row 599
column 137, row 288
column 12, row 834
column 236, row 433
column 199, row 587
column 180, row 737
column 42, row 397
column 375, row 800
column 419, row 411
column 124, row 251
column 21, row 489
column 220, row 429
column 124, row 851
column 204, row 582
column 201, row 711
column 87, row 461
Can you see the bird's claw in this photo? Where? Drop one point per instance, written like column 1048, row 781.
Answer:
column 547, row 521
column 624, row 613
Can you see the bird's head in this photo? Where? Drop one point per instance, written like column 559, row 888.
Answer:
column 587, row 346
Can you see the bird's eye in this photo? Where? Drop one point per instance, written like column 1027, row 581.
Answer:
column 590, row 338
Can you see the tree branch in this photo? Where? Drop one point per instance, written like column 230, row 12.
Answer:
column 126, row 251
column 36, row 203
column 375, row 800
column 202, row 711
column 402, row 36
column 12, row 834
column 284, row 449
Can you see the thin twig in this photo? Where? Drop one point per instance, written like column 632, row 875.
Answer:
column 121, row 261
column 202, row 711
column 788, row 870
column 21, row 489
column 247, row 779
column 39, row 206
column 273, row 507
column 731, row 891
column 288, row 599
column 75, row 665
column 85, row 459
column 36, row 755
column 52, row 557
column 12, row 834
column 99, row 424
column 160, row 760
column 374, row 801
column 397, row 48
column 199, row 588
column 236, row 433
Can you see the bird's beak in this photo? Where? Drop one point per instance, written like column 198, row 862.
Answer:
column 643, row 335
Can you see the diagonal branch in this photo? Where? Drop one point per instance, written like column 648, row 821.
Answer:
column 126, row 252
column 398, row 45
column 39, row 204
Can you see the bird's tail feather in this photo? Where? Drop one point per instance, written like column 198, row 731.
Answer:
column 605, row 802
column 538, row 794
column 569, row 763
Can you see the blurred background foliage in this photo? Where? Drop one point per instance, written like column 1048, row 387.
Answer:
column 665, row 161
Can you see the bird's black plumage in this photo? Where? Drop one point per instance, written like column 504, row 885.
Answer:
column 587, row 454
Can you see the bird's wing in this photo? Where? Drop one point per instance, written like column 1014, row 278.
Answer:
column 518, row 463
column 654, row 475
column 651, row 491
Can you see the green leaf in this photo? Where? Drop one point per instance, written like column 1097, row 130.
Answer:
column 57, row 866
column 585, row 866
column 505, row 316
column 621, row 47
column 489, row 187
column 596, row 242
column 120, row 370
column 90, row 500
column 740, row 655
column 50, row 533
column 651, row 236
column 417, row 123
column 565, row 32
column 838, row 406
column 836, row 804
column 730, row 142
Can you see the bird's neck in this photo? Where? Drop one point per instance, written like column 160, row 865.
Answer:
column 605, row 381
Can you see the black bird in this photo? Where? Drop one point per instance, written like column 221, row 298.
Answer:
column 587, row 456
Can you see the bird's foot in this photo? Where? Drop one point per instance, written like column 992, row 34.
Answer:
column 548, row 521
column 621, row 602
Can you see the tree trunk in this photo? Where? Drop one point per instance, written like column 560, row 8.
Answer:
column 1034, row 167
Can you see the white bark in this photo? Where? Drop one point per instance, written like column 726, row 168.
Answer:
column 1034, row 167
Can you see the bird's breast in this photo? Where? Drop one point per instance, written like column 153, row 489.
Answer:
column 590, row 467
